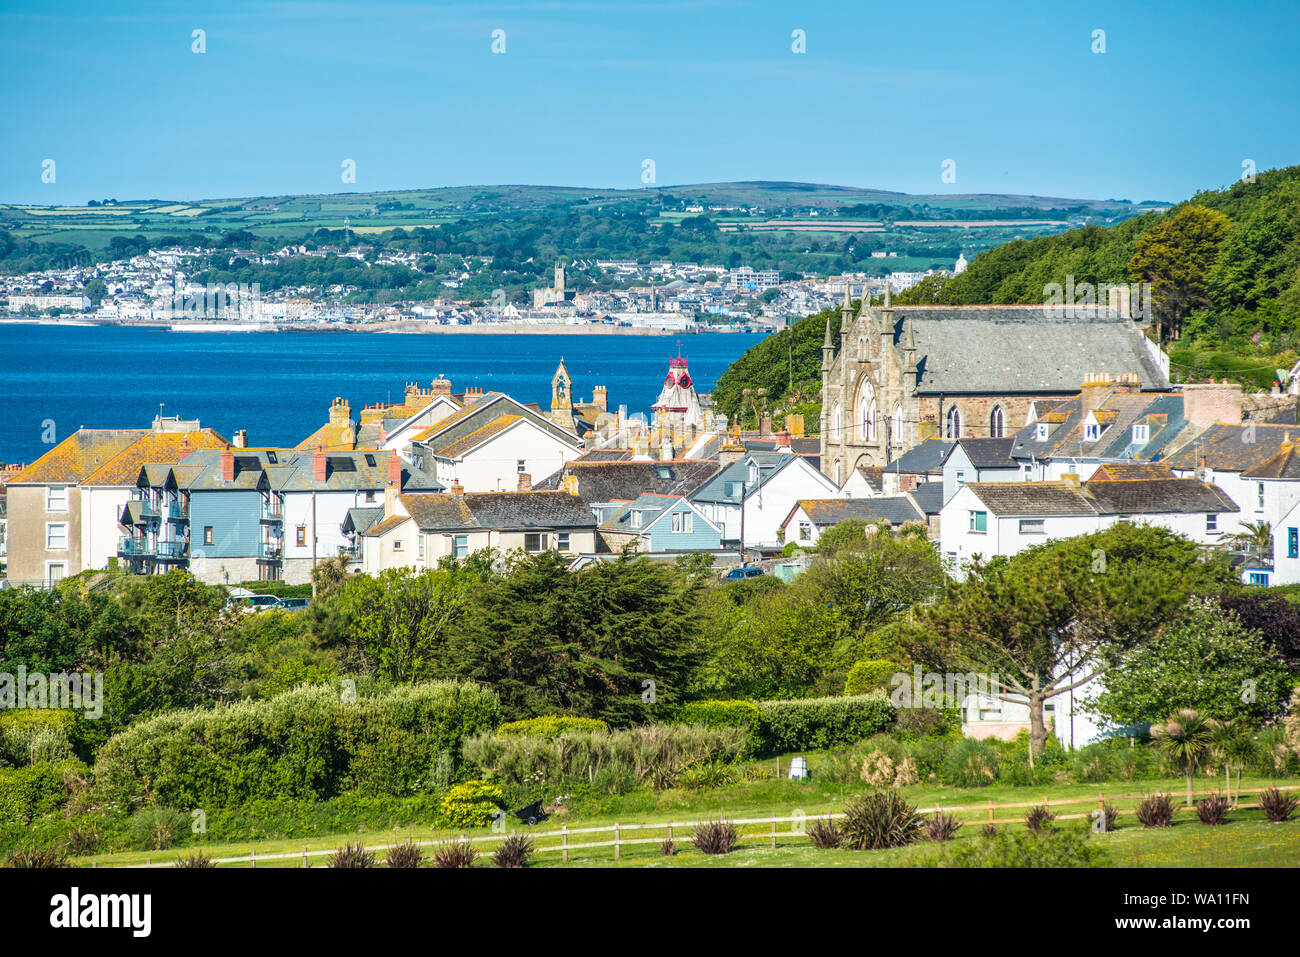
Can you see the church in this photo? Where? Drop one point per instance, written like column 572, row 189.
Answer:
column 901, row 375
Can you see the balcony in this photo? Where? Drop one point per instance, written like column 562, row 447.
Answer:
column 132, row 547
column 270, row 551
column 272, row 513
column 178, row 512
column 172, row 551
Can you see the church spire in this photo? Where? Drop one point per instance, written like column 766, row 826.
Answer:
column 828, row 347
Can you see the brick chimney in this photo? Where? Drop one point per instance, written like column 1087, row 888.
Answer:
column 765, row 425
column 1094, row 390
column 783, row 439
column 319, row 465
column 395, row 471
column 1210, row 402
column 457, row 488
column 241, row 439
column 525, row 483
column 340, row 412
column 440, row 386
column 184, row 448
column 570, row 484
column 600, row 398
column 227, row 464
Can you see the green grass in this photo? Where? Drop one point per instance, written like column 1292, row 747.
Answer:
column 1247, row 841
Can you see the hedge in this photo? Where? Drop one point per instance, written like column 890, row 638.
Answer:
column 724, row 714
column 549, row 725
column 812, row 723
column 870, row 674
column 32, row 735
column 312, row 743
column 30, row 792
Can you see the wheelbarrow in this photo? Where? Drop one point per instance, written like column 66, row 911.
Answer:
column 531, row 813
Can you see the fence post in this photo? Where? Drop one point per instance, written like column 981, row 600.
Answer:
column 252, row 858
column 564, row 843
column 616, row 842
column 990, row 812
column 304, row 856
column 774, row 831
column 670, row 832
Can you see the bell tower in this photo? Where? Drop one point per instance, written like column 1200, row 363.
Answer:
column 562, row 398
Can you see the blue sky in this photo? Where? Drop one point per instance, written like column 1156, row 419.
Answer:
column 708, row 89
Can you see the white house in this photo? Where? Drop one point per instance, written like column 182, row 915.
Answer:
column 486, row 447
column 988, row 519
column 1277, row 485
column 810, row 518
column 769, row 484
column 979, row 460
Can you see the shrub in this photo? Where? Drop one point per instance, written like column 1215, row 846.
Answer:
column 880, row 819
column 666, row 847
column 1109, row 814
column 1155, row 810
column 988, row 829
column 472, row 804
column 971, row 764
column 36, row 735
column 27, row 793
column 715, row 837
column 454, row 854
column 723, row 714
column 84, row 839
column 1052, row 847
column 197, row 859
column 1277, row 806
column 872, row 674
column 404, row 856
column 44, row 858
column 825, row 834
column 1213, row 809
column 513, row 851
column 616, row 761
column 158, row 828
column 351, row 855
column 1039, row 818
column 710, row 774
column 816, row 723
column 941, row 827
column 307, row 744
column 550, row 725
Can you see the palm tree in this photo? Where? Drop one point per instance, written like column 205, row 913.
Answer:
column 1234, row 745
column 1254, row 538
column 1187, row 738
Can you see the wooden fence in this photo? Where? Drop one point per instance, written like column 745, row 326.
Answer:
column 761, row 828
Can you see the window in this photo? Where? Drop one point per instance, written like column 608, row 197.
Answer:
column 688, row 522
column 1293, row 543
column 677, row 521
column 997, row 423
column 370, row 460
column 1033, row 526
column 961, row 478
column 562, row 541
column 519, row 465
column 1141, row 433
column 300, row 538
column 805, row 531
column 534, row 542
column 1091, row 432
column 1259, row 578
column 370, row 496
column 54, row 572
column 1040, row 431
column 1259, row 496
column 272, row 458
column 734, row 489
column 1211, row 522
column 56, row 498
column 207, row 534
column 56, row 536
column 634, row 518
column 979, row 522
column 460, row 545
column 953, row 423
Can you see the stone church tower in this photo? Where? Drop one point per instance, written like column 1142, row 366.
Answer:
column 562, row 399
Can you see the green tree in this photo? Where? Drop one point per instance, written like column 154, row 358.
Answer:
column 1188, row 738
column 1174, row 256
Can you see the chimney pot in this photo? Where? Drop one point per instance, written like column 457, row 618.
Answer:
column 457, row 488
column 395, row 471
column 319, row 465
column 525, row 482
column 227, row 464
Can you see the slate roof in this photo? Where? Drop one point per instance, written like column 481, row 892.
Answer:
column 873, row 475
column 1234, row 448
column 527, row 510
column 153, row 448
column 987, row 453
column 1132, row 470
column 624, row 481
column 924, row 459
column 650, row 504
column 77, row 456
column 464, row 430
column 1161, row 412
column 928, row 496
column 453, row 447
column 1032, row 498
column 972, row 349
column 362, row 519
column 1284, row 465
column 1147, row 496
column 895, row 509
column 770, row 464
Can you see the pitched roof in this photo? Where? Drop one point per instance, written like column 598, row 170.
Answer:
column 975, row 349
column 154, row 448
column 1148, row 496
column 481, row 421
column 1284, row 465
column 525, row 510
column 770, row 464
column 79, row 455
column 1032, row 498
column 924, row 459
column 459, row 446
column 1233, row 448
column 989, row 453
column 895, row 509
column 1132, row 470
column 1162, row 413
column 624, row 481
column 438, row 511
column 650, row 505
column 928, row 496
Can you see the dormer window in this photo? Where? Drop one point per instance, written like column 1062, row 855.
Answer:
column 1091, row 432
column 1040, row 432
column 753, row 472
column 1141, row 433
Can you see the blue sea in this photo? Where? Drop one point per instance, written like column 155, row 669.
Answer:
column 278, row 386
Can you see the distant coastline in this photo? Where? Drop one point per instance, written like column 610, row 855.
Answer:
column 404, row 326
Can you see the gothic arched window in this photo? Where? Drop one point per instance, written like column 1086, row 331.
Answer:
column 997, row 423
column 898, row 425
column 953, row 430
column 835, row 423
column 867, row 413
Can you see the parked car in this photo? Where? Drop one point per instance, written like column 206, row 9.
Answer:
column 254, row 602
column 294, row 604
column 740, row 574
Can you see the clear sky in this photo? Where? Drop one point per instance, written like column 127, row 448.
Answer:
column 711, row 90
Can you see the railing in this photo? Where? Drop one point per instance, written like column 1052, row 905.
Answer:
column 174, row 551
column 134, row 547
column 272, row 512
column 762, row 829
column 178, row 511
column 271, row 550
